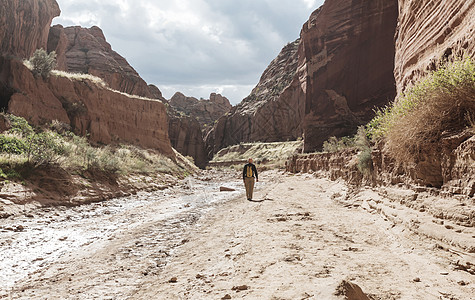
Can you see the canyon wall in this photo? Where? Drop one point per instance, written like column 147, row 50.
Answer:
column 24, row 26
column 349, row 51
column 105, row 115
column 431, row 31
column 272, row 112
column 205, row 111
column 85, row 50
column 324, row 84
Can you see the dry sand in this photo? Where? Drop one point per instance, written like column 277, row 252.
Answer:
column 305, row 236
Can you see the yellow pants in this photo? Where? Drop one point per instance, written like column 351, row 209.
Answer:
column 249, row 183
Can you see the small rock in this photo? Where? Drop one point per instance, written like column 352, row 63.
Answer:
column 63, row 238
column 226, row 189
column 417, row 279
column 449, row 227
column 226, row 297
column 19, row 228
column 444, row 273
column 173, row 280
column 199, row 276
column 240, row 288
column 462, row 283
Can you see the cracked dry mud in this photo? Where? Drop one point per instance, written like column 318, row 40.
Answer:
column 300, row 242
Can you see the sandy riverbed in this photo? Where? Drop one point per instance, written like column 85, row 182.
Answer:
column 299, row 242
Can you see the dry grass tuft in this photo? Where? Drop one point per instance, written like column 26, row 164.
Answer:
column 436, row 105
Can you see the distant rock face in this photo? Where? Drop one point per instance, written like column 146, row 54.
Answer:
column 85, row 50
column 186, row 137
column 348, row 51
column 106, row 116
column 190, row 119
column 430, row 31
column 272, row 112
column 205, row 111
column 24, row 25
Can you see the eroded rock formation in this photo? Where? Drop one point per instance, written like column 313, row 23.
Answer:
column 429, row 32
column 24, row 25
column 107, row 116
column 272, row 112
column 205, row 111
column 85, row 50
column 349, row 51
column 186, row 137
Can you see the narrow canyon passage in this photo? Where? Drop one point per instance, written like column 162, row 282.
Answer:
column 304, row 237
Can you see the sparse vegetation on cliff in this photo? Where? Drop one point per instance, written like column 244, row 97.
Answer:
column 443, row 102
column 41, row 63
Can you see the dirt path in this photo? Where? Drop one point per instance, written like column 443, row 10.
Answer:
column 299, row 243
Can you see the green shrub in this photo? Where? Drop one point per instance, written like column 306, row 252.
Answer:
column 19, row 125
column 42, row 63
column 44, row 148
column 12, row 144
column 333, row 144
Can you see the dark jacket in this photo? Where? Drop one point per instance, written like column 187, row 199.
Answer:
column 254, row 171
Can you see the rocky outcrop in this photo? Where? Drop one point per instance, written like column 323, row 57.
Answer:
column 24, row 25
column 272, row 112
column 106, row 116
column 186, row 137
column 206, row 112
column 348, row 47
column 85, row 50
column 449, row 166
column 190, row 119
column 429, row 32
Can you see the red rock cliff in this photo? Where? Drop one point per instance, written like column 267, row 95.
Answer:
column 430, row 31
column 24, row 25
column 272, row 112
column 106, row 115
column 85, row 50
column 348, row 47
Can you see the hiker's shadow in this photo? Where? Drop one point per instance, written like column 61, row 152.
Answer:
column 260, row 200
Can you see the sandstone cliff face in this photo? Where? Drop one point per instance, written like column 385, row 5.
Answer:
column 349, row 51
column 272, row 112
column 105, row 115
column 206, row 112
column 85, row 50
column 24, row 25
column 186, row 137
column 430, row 31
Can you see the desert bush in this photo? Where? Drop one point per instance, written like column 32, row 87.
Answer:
column 334, row 144
column 12, row 144
column 44, row 148
column 42, row 63
column 362, row 142
column 437, row 104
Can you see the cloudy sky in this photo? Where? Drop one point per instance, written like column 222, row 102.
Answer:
column 195, row 46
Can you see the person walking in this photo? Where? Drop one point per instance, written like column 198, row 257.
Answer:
column 249, row 174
